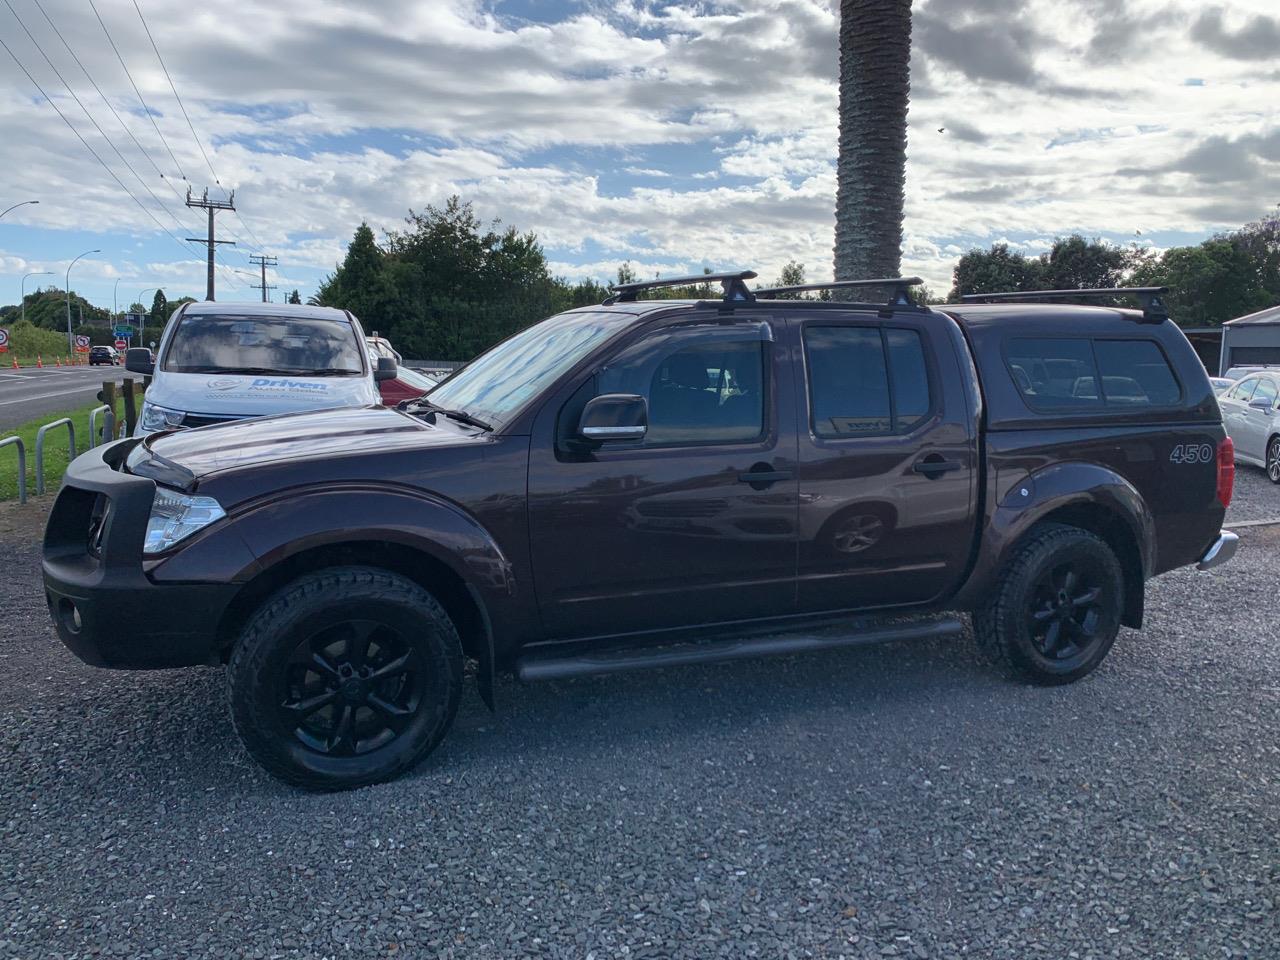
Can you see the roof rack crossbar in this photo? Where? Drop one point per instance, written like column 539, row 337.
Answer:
column 733, row 283
column 1151, row 299
column 901, row 296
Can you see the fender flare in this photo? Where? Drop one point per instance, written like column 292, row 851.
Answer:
column 1040, row 494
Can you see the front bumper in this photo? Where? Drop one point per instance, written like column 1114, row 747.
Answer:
column 1223, row 549
column 106, row 609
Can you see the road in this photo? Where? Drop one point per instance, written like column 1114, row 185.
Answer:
column 900, row 801
column 27, row 393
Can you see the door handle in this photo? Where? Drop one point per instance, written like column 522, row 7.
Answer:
column 764, row 477
column 935, row 468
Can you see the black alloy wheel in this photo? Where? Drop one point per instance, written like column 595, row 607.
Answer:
column 1273, row 460
column 1054, row 609
column 345, row 677
column 351, row 687
column 1066, row 611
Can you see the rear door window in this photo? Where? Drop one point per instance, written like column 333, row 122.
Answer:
column 864, row 381
column 1266, row 391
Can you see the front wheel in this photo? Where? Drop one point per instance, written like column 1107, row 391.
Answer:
column 1055, row 610
column 345, row 677
column 1273, row 460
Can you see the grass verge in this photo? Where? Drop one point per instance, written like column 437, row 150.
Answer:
column 55, row 449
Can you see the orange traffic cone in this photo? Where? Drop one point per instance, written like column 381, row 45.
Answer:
column 15, row 363
column 39, row 362
column 57, row 361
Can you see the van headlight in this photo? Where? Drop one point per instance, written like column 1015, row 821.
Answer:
column 176, row 516
column 155, row 417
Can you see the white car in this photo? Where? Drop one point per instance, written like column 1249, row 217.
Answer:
column 231, row 361
column 1251, row 414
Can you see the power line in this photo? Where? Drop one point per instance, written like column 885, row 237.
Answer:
column 212, row 206
column 83, row 69
column 87, row 146
column 80, row 103
column 172, row 87
column 145, row 108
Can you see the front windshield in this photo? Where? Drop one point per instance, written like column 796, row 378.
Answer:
column 495, row 385
column 297, row 346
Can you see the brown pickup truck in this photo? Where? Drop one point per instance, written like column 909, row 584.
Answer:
column 648, row 483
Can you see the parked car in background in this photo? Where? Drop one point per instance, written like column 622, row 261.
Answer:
column 101, row 355
column 1251, row 414
column 1220, row 384
column 231, row 361
column 646, row 483
column 408, row 384
column 1235, row 373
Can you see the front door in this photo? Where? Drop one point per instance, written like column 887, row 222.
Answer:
column 888, row 462
column 694, row 524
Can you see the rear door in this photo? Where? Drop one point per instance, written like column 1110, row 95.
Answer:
column 888, row 461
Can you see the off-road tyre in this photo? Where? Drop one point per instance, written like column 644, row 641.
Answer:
column 1013, row 626
column 271, row 678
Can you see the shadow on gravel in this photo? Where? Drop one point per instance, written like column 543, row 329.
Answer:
column 149, row 730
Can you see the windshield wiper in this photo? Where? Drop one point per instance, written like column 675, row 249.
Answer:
column 432, row 410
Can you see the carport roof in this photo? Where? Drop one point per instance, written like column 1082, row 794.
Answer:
column 1271, row 315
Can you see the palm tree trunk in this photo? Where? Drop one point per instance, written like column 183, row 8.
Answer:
column 875, row 86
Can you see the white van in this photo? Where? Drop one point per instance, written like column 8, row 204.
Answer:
column 230, row 361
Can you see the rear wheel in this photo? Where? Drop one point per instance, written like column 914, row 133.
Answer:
column 345, row 677
column 1273, row 460
column 1055, row 610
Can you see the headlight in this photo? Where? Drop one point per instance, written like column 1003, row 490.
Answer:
column 155, row 417
column 175, row 516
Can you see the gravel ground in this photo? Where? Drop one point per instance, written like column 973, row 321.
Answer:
column 1254, row 496
column 877, row 802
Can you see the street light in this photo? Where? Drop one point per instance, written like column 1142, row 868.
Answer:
column 142, row 324
column 17, row 205
column 38, row 273
column 71, row 343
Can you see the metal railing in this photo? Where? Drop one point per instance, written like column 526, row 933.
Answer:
column 71, row 435
column 97, row 436
column 16, row 441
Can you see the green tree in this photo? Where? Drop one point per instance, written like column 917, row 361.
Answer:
column 1074, row 263
column 997, row 270
column 160, row 312
column 875, row 85
column 792, row 275
column 295, row 297
column 1209, row 284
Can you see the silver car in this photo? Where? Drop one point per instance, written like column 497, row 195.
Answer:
column 1251, row 414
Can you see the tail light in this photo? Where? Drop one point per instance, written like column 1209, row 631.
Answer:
column 1226, row 471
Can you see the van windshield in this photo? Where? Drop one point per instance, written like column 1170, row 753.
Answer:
column 297, row 346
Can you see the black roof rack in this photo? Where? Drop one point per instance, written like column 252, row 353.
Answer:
column 901, row 288
column 1151, row 299
column 733, row 282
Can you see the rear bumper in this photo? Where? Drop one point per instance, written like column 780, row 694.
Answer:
column 105, row 607
column 1223, row 549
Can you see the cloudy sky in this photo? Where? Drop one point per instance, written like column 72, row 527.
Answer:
column 675, row 135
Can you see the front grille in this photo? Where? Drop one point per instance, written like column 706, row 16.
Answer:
column 205, row 420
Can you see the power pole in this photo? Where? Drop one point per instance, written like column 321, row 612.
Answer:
column 263, row 261
column 212, row 206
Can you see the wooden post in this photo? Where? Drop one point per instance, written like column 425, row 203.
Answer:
column 130, row 408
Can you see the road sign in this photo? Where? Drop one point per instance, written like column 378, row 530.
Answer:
column 82, row 344
column 135, row 318
column 121, row 344
column 4, row 339
column 123, row 330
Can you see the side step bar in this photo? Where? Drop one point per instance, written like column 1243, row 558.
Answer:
column 550, row 667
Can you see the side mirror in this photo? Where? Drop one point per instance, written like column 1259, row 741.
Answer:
column 1261, row 404
column 385, row 370
column 614, row 416
column 138, row 360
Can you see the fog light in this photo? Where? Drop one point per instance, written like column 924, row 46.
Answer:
column 69, row 614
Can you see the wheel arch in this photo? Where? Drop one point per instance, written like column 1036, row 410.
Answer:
column 1084, row 495
column 465, row 606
